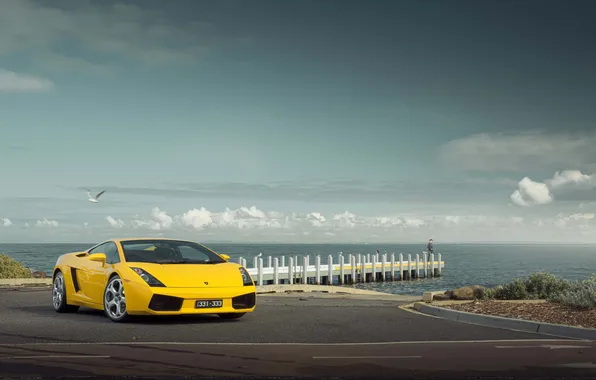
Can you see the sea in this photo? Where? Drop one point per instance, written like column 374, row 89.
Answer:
column 465, row 264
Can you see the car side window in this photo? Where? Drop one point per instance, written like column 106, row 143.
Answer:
column 111, row 251
column 99, row 249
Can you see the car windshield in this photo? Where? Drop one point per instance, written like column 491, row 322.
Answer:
column 168, row 252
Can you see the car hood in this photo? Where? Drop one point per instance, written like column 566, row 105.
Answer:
column 194, row 275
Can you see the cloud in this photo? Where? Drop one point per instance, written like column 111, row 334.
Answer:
column 91, row 35
column 14, row 82
column 46, row 223
column 116, row 223
column 253, row 218
column 564, row 183
column 519, row 152
column 6, row 222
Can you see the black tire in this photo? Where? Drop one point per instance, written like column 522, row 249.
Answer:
column 231, row 315
column 114, row 291
column 59, row 301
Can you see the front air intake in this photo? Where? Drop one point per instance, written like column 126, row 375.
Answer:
column 165, row 303
column 245, row 301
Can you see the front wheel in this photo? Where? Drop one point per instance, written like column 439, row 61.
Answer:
column 114, row 300
column 59, row 296
column 231, row 315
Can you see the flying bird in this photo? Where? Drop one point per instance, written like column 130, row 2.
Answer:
column 94, row 199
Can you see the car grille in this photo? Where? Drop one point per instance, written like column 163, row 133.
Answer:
column 165, row 303
column 245, row 301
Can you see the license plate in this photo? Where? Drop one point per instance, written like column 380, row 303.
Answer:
column 208, row 304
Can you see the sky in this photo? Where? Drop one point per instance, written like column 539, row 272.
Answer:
column 304, row 121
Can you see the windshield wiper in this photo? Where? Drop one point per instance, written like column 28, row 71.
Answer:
column 186, row 261
column 172, row 261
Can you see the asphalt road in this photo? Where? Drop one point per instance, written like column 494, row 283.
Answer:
column 286, row 336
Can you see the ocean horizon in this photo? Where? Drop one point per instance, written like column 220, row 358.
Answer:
column 487, row 264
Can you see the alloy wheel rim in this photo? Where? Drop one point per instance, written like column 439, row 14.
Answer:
column 57, row 290
column 115, row 300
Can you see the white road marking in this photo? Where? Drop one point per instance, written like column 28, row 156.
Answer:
column 580, row 365
column 56, row 357
column 366, row 357
column 552, row 347
column 139, row 343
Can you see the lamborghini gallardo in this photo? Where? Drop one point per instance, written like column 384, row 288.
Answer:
column 150, row 276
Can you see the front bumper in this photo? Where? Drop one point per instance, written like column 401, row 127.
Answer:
column 144, row 300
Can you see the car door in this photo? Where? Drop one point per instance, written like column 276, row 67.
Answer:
column 80, row 272
column 98, row 274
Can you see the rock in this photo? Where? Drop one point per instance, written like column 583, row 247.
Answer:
column 467, row 292
column 39, row 275
column 441, row 297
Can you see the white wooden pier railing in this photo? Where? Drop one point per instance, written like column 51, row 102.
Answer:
column 349, row 269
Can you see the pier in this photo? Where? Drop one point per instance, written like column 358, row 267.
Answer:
column 344, row 270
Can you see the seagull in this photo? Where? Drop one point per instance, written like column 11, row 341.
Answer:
column 94, row 199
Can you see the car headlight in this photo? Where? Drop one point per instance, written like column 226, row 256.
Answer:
column 149, row 279
column 246, row 279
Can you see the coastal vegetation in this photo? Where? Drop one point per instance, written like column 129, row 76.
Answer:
column 10, row 268
column 539, row 297
column 537, row 286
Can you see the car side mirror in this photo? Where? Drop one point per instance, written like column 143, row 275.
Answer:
column 98, row 257
column 224, row 256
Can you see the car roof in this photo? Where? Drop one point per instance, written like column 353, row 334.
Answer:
column 119, row 240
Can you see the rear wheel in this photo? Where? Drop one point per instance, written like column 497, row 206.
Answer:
column 231, row 315
column 59, row 296
column 114, row 300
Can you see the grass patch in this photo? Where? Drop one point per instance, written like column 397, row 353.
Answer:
column 10, row 268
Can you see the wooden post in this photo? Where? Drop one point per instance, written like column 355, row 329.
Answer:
column 342, row 273
column 353, row 268
column 401, row 266
column 432, row 265
column 417, row 266
column 305, row 270
column 393, row 267
column 275, row 271
column 318, row 270
column 291, row 271
column 373, row 275
column 260, row 271
column 330, row 270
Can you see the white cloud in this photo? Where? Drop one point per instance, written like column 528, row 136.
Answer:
column 254, row 219
column 531, row 193
column 6, row 222
column 116, row 223
column 519, row 152
column 14, row 82
column 159, row 220
column 109, row 32
column 46, row 223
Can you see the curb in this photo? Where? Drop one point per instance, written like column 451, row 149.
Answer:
column 304, row 288
column 508, row 323
column 264, row 289
column 25, row 281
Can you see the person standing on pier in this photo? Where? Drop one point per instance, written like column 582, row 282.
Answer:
column 429, row 246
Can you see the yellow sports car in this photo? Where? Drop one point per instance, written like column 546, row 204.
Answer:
column 127, row 277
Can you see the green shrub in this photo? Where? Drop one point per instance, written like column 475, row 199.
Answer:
column 580, row 294
column 536, row 286
column 9, row 268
